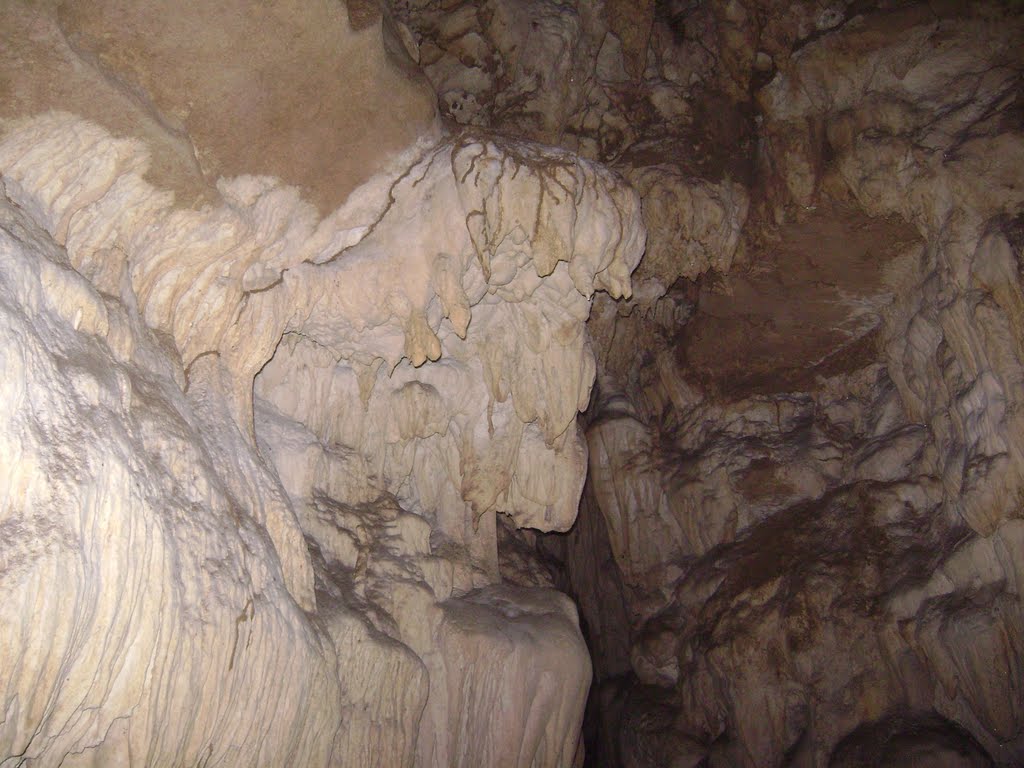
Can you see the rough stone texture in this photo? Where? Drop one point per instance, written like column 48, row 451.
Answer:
column 693, row 225
column 611, row 80
column 799, row 539
column 282, row 447
column 139, row 588
column 492, row 427
column 626, row 83
column 255, row 453
column 128, row 228
column 808, row 481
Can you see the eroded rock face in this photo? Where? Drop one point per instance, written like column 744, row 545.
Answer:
column 491, row 275
column 141, row 589
column 257, row 445
column 808, row 482
column 795, row 542
column 282, row 432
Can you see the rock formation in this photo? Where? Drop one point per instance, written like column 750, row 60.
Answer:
column 302, row 302
column 276, row 354
column 799, row 543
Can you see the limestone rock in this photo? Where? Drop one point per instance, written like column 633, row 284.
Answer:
column 693, row 225
column 804, row 470
column 262, row 424
column 297, row 381
column 140, row 590
column 225, row 90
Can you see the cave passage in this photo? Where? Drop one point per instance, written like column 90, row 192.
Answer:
column 511, row 383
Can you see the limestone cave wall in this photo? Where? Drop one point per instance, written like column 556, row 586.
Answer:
column 511, row 383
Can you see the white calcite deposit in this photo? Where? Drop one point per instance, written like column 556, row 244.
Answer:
column 251, row 456
column 291, row 455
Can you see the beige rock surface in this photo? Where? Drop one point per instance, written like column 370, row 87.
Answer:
column 443, row 549
column 194, row 575
column 140, row 589
column 291, row 371
column 288, row 90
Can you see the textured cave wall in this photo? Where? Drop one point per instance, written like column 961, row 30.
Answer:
column 295, row 364
column 799, row 543
column 823, row 531
column 277, row 353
